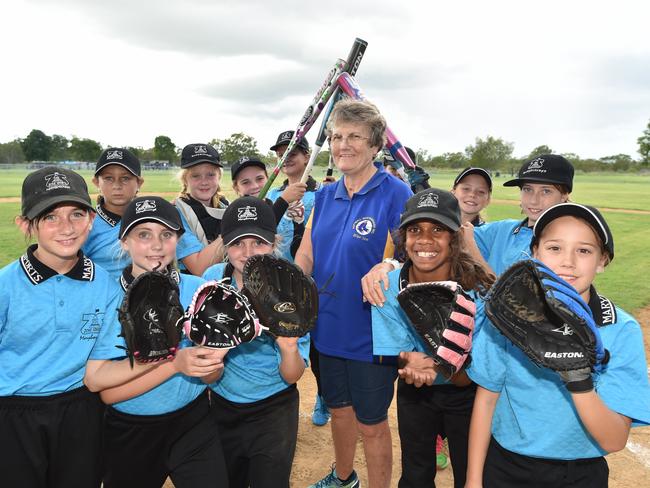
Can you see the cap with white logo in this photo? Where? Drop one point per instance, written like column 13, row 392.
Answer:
column 150, row 209
column 120, row 156
column 432, row 204
column 545, row 168
column 49, row 186
column 285, row 138
column 248, row 217
column 197, row 153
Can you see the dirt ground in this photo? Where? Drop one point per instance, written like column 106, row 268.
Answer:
column 314, row 455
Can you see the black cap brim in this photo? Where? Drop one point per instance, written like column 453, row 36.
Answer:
column 453, row 226
column 247, row 164
column 46, row 203
column 248, row 231
column 596, row 221
column 474, row 171
column 199, row 161
column 170, row 225
column 109, row 163
column 522, row 181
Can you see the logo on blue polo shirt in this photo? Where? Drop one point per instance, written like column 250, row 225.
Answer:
column 363, row 227
column 92, row 323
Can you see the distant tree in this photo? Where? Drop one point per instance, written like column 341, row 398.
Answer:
column 236, row 146
column 644, row 146
column 60, row 148
column 37, row 146
column 137, row 151
column 11, row 152
column 543, row 149
column 619, row 162
column 489, row 153
column 85, row 149
column 164, row 149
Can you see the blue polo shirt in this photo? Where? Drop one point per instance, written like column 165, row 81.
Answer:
column 523, row 426
column 349, row 236
column 392, row 331
column 503, row 243
column 178, row 390
column 52, row 324
column 285, row 226
column 252, row 369
column 103, row 247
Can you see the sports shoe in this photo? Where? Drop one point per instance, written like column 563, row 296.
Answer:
column 321, row 414
column 442, row 460
column 332, row 481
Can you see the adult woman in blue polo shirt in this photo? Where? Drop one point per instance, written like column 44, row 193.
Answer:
column 349, row 231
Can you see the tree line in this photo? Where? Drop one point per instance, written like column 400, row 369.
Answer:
column 490, row 153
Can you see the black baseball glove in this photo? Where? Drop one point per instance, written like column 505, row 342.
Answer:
column 150, row 316
column 220, row 317
column 442, row 314
column 549, row 321
column 285, row 299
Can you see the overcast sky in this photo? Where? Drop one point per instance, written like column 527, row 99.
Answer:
column 574, row 75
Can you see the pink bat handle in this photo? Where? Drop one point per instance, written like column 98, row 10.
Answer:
column 352, row 89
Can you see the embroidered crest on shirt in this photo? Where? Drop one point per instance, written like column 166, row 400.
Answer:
column 91, row 325
column 363, row 227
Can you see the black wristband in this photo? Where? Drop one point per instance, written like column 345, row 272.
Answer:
column 582, row 386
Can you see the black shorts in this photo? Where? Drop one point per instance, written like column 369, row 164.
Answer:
column 259, row 438
column 51, row 441
column 141, row 451
column 506, row 469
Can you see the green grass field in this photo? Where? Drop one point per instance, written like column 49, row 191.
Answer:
column 625, row 280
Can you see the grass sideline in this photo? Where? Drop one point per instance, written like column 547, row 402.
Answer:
column 625, row 280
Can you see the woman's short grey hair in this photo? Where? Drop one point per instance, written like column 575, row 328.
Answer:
column 359, row 112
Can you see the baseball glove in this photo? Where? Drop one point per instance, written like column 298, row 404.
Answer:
column 549, row 321
column 220, row 317
column 442, row 314
column 150, row 316
column 285, row 299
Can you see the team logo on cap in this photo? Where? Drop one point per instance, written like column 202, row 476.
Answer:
column 247, row 213
column 200, row 150
column 536, row 163
column 428, row 200
column 363, row 227
column 115, row 154
column 286, row 135
column 244, row 159
column 56, row 180
column 145, row 206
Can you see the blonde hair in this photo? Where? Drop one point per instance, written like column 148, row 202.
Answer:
column 181, row 176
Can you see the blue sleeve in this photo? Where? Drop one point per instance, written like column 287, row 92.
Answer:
column 390, row 333
column 214, row 272
column 623, row 386
column 188, row 243
column 488, row 366
column 484, row 237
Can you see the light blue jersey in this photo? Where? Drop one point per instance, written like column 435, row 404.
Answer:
column 103, row 247
column 532, row 398
column 252, row 369
column 178, row 390
column 503, row 243
column 285, row 226
column 392, row 332
column 52, row 324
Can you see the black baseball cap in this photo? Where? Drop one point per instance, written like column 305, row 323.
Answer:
column 474, row 171
column 121, row 156
column 545, row 168
column 591, row 214
column 245, row 162
column 285, row 138
column 434, row 204
column 194, row 154
column 248, row 216
column 48, row 186
column 148, row 209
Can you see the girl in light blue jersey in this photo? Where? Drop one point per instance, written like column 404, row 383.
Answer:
column 529, row 428
column 159, row 424
column 255, row 399
column 57, row 310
